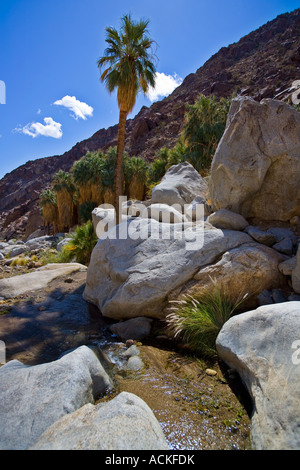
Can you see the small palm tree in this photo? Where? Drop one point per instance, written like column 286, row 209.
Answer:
column 128, row 68
column 81, row 245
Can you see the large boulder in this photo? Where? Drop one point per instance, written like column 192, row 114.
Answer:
column 256, row 168
column 247, row 269
column 180, row 185
column 124, row 423
column 132, row 275
column 35, row 397
column 261, row 345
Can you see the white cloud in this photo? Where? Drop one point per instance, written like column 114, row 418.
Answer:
column 39, row 111
column 49, row 129
column 164, row 86
column 79, row 108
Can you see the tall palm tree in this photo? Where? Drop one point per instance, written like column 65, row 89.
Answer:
column 64, row 187
column 49, row 211
column 128, row 67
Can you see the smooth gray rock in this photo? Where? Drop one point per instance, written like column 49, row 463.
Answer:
column 287, row 266
column 62, row 243
column 36, row 243
column 263, row 347
column 131, row 351
column 35, row 397
column 36, row 234
column 180, row 185
column 132, row 276
column 227, row 220
column 198, row 208
column 124, row 423
column 246, row 270
column 281, row 233
column 285, row 246
column 17, row 250
column 265, row 298
column 256, row 168
column 39, row 279
column 135, row 364
column 165, row 213
column 261, row 236
column 279, row 296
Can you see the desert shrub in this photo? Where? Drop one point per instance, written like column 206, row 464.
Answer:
column 81, row 245
column 197, row 321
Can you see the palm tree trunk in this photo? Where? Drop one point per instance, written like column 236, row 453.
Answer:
column 119, row 162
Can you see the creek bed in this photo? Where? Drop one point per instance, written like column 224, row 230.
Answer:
column 196, row 411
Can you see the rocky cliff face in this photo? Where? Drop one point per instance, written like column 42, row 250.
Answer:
column 262, row 64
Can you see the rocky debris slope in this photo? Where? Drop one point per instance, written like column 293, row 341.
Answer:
column 263, row 64
column 256, row 169
column 261, row 345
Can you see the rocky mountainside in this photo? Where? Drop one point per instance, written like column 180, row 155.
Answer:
column 262, row 64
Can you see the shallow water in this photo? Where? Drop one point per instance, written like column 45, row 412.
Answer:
column 195, row 411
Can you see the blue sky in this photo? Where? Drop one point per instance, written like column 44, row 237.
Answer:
column 49, row 52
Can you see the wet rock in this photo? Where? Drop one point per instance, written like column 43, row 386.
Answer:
column 135, row 328
column 135, row 363
column 131, row 351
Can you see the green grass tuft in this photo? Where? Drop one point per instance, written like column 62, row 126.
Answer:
column 197, row 321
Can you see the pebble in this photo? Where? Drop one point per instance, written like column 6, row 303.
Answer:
column 211, row 372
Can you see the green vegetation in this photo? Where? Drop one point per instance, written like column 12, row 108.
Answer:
column 49, row 211
column 204, row 126
column 197, row 321
column 81, row 245
column 64, row 187
column 127, row 66
column 91, row 180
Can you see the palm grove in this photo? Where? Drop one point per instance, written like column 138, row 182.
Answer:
column 127, row 66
